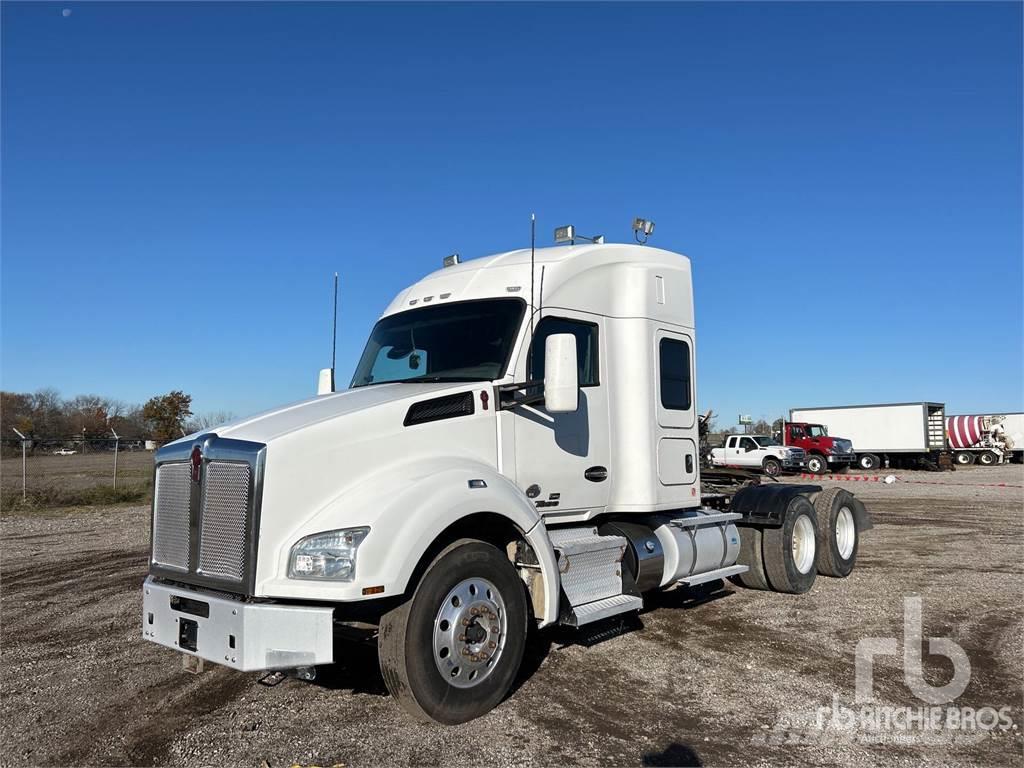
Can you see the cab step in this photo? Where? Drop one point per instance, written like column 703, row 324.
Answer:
column 591, row 573
column 602, row 609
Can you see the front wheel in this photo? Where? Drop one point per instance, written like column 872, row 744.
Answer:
column 772, row 467
column 817, row 465
column 450, row 653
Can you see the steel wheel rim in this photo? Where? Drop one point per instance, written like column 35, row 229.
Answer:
column 803, row 544
column 846, row 533
column 469, row 632
column 961, row 458
column 814, row 464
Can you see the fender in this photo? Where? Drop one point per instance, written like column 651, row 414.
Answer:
column 407, row 506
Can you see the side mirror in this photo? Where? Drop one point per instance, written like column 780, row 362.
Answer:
column 325, row 384
column 561, row 376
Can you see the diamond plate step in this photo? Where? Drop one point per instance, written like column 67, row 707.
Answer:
column 602, row 609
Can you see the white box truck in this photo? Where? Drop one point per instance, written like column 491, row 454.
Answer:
column 517, row 449
column 894, row 434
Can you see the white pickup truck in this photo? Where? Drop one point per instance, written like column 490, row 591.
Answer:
column 757, row 452
column 517, row 449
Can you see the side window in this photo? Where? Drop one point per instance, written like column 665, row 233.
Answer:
column 674, row 363
column 586, row 348
column 747, row 444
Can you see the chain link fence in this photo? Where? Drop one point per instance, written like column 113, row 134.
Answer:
column 66, row 472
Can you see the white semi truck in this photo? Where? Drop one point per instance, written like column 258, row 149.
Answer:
column 517, row 449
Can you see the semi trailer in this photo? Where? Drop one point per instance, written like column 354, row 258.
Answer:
column 517, row 449
column 894, row 434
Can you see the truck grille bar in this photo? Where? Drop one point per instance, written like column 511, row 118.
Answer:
column 206, row 506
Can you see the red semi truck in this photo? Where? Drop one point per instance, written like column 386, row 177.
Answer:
column 823, row 451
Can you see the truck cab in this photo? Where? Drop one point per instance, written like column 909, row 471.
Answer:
column 823, row 452
column 517, row 448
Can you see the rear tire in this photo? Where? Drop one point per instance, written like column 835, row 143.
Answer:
column 838, row 536
column 816, row 464
column 963, row 458
column 751, row 556
column 419, row 638
column 987, row 458
column 868, row 461
column 772, row 467
column 789, row 551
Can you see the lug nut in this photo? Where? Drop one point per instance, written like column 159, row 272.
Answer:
column 492, row 645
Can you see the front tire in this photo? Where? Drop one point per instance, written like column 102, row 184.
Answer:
column 987, row 458
column 838, row 536
column 789, row 551
column 450, row 652
column 817, row 465
column 772, row 467
column 964, row 458
column 868, row 461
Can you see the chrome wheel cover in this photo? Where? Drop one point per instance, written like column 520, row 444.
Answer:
column 469, row 632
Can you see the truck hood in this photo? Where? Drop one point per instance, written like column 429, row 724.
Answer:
column 266, row 426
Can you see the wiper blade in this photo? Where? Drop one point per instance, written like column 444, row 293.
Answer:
column 436, row 379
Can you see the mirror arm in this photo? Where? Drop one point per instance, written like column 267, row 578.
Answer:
column 507, row 394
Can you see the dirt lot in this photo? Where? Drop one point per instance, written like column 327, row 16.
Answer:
column 728, row 678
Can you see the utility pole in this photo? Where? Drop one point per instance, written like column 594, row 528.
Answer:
column 24, row 443
column 117, row 441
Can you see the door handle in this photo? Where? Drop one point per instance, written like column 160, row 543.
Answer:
column 596, row 474
column 689, row 463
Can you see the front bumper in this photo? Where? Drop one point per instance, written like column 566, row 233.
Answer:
column 793, row 463
column 244, row 636
column 841, row 458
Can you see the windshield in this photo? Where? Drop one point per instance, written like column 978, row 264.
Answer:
column 816, row 430
column 764, row 442
column 464, row 341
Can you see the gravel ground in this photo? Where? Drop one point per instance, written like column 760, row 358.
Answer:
column 721, row 677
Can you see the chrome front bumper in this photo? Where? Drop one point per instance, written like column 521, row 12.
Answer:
column 244, row 636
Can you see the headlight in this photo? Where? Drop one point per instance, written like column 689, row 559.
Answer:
column 328, row 555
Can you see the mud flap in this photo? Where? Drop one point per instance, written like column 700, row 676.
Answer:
column 861, row 516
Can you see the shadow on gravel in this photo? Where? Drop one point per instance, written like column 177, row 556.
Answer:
column 675, row 754
column 358, row 669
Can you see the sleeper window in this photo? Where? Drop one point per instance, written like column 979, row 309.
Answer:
column 674, row 362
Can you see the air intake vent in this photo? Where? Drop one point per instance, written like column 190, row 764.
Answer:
column 171, row 535
column 447, row 407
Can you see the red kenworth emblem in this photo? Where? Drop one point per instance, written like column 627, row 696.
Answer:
column 197, row 463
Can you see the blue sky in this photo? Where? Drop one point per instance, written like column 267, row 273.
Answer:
column 180, row 181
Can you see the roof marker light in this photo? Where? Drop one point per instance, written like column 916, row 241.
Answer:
column 452, row 260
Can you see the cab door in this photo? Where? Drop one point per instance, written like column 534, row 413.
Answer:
column 562, row 459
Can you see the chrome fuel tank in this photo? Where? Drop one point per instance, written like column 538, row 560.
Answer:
column 696, row 542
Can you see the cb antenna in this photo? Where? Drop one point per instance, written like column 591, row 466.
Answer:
column 533, row 241
column 334, row 327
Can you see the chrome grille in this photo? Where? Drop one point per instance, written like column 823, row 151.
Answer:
column 224, row 512
column 171, row 532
